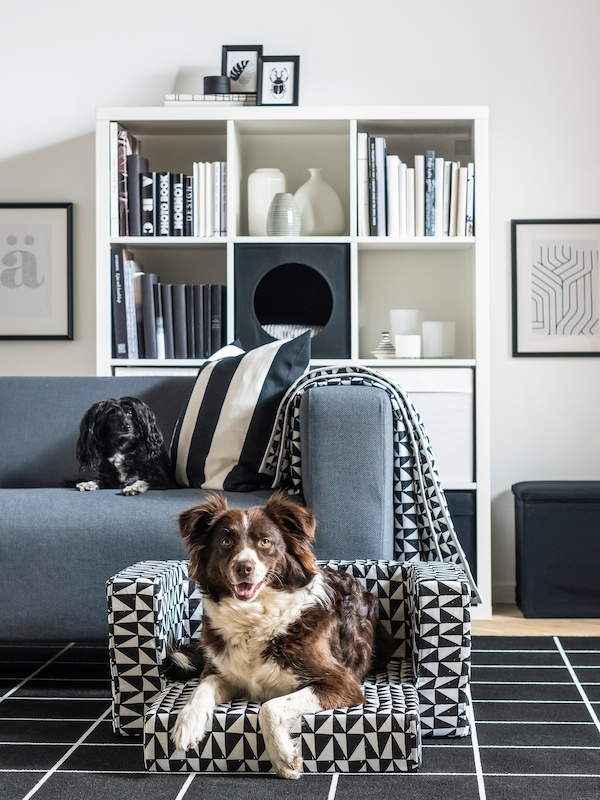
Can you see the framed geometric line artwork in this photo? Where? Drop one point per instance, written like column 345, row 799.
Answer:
column 555, row 287
column 36, row 270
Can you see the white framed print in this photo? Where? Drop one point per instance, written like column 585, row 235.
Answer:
column 555, row 287
column 278, row 81
column 239, row 62
column 36, row 270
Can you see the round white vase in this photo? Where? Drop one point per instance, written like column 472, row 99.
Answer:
column 283, row 218
column 320, row 207
column 263, row 185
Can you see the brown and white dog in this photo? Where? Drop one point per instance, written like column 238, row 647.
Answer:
column 277, row 629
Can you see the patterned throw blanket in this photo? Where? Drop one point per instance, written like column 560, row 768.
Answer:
column 423, row 528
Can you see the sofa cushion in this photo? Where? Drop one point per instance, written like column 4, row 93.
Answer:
column 221, row 435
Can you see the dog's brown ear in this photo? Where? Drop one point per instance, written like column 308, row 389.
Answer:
column 195, row 523
column 297, row 525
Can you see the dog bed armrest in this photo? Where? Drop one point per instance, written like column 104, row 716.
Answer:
column 151, row 604
column 439, row 599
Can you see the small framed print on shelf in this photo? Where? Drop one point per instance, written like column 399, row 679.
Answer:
column 555, row 287
column 240, row 63
column 36, row 270
column 278, row 81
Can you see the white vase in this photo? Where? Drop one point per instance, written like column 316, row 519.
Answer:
column 320, row 207
column 263, row 185
column 283, row 218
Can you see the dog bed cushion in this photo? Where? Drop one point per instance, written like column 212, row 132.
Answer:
column 222, row 434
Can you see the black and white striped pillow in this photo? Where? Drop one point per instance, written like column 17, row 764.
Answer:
column 221, row 436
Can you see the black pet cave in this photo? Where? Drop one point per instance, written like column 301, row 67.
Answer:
column 283, row 290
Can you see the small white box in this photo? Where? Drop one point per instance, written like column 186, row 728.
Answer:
column 444, row 399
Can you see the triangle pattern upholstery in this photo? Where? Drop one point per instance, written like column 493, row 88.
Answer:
column 424, row 691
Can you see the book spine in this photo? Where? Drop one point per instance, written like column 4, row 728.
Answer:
column 114, row 177
column 149, row 314
column 129, row 270
column 216, row 198
column 362, row 183
column 447, row 193
column 199, row 321
column 372, row 187
column 189, row 205
column 206, row 320
column 223, row 198
column 177, row 204
column 209, row 208
column 159, row 322
column 439, row 197
column 402, row 189
column 453, row 197
column 167, row 309
column 119, row 314
column 410, row 202
column 179, row 321
column 216, row 318
column 393, row 195
column 380, row 158
column 470, row 226
column 164, row 204
column 148, row 184
column 136, row 165
column 190, row 317
column 429, row 193
column 419, row 195
column 461, row 206
column 127, row 145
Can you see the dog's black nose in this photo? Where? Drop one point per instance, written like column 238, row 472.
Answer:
column 243, row 569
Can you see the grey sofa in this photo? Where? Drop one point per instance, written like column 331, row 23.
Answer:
column 58, row 546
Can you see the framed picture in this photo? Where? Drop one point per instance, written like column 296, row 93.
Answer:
column 240, row 64
column 278, row 78
column 36, row 270
column 555, row 287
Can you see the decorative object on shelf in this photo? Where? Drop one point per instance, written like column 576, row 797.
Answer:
column 278, row 80
column 239, row 62
column 385, row 348
column 320, row 207
column 217, row 84
column 36, row 270
column 555, row 287
column 405, row 321
column 439, row 339
column 407, row 345
column 283, row 218
column 263, row 185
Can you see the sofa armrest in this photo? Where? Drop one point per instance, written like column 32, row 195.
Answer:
column 346, row 441
column 438, row 605
column 150, row 605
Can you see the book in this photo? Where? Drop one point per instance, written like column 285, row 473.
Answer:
column 377, row 189
column 127, row 145
column 130, row 271
column 470, row 202
column 119, row 313
column 429, row 193
column 453, row 198
column 419, row 195
column 447, row 191
column 410, row 202
column 148, row 280
column 393, row 195
column 232, row 99
column 177, row 225
column 179, row 320
column 190, row 319
column 136, row 165
column 148, row 214
column 223, row 198
column 167, row 310
column 189, row 206
column 163, row 204
column 199, row 291
column 403, row 199
column 362, row 182
column 438, row 190
column 461, row 204
column 217, row 318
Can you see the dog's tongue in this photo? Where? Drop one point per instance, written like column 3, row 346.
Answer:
column 245, row 591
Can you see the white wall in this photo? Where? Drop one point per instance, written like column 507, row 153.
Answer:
column 535, row 63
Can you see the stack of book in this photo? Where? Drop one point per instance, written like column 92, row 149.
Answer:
column 146, row 203
column 161, row 320
column 433, row 197
column 231, row 99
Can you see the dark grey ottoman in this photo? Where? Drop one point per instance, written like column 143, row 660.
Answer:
column 558, row 548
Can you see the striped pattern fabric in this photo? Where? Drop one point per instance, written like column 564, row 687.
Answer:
column 220, row 437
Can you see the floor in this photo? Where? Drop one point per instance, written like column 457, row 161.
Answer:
column 536, row 702
column 507, row 620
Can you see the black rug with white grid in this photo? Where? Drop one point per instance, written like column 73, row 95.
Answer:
column 536, row 732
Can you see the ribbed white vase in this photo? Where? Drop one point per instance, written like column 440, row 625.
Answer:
column 283, row 218
column 321, row 211
column 263, row 185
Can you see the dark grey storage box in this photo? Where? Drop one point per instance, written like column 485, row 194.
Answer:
column 461, row 505
column 558, row 548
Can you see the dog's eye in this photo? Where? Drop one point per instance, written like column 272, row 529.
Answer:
column 265, row 542
column 226, row 542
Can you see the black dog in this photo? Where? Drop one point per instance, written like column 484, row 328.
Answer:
column 120, row 440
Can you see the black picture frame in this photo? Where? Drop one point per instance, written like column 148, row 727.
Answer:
column 240, row 63
column 555, row 287
column 36, row 271
column 276, row 87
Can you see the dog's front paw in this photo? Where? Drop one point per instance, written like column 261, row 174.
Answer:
column 282, row 750
column 87, row 486
column 190, row 727
column 137, row 487
column 288, row 764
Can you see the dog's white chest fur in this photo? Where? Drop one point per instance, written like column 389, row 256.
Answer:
column 248, row 627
